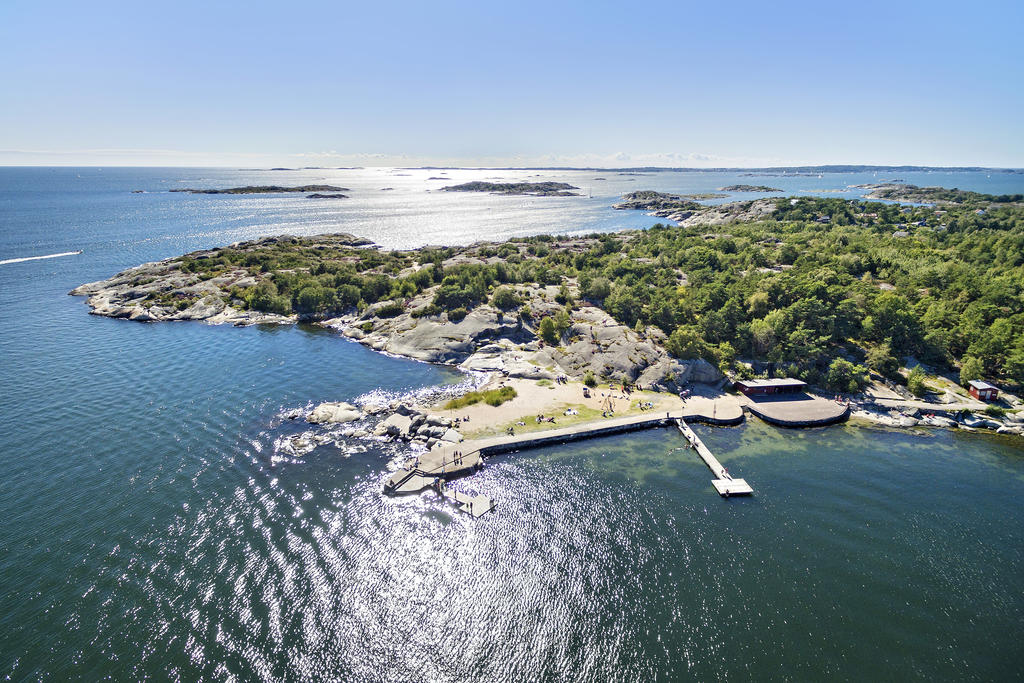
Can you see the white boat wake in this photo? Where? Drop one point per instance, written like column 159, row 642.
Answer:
column 37, row 258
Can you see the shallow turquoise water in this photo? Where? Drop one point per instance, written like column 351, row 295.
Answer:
column 148, row 529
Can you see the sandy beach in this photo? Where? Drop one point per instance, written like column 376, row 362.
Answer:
column 552, row 400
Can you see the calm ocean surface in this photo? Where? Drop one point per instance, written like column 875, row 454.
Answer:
column 149, row 527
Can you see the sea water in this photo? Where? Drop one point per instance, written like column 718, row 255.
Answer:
column 150, row 526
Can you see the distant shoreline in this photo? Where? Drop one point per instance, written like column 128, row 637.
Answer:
column 828, row 168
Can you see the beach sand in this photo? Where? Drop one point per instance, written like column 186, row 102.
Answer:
column 552, row 400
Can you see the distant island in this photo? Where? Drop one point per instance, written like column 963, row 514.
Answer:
column 649, row 200
column 319, row 195
column 543, row 189
column 263, row 189
column 743, row 171
column 675, row 207
column 748, row 188
column 700, row 196
column 933, row 195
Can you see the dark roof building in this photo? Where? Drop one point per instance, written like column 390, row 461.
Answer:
column 779, row 385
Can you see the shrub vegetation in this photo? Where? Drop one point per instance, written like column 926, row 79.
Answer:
column 492, row 397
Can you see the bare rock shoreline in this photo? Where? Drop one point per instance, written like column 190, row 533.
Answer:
column 689, row 213
column 485, row 340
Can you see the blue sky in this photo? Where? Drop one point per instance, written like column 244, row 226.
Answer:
column 678, row 84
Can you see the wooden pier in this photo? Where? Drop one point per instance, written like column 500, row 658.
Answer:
column 724, row 482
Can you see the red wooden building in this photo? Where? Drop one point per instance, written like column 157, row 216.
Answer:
column 983, row 391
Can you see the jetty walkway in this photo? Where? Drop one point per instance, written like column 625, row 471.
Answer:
column 724, row 483
column 431, row 468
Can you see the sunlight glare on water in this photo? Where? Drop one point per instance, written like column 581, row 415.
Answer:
column 154, row 528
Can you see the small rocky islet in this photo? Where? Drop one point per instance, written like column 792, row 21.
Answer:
column 539, row 189
column 262, row 189
column 748, row 188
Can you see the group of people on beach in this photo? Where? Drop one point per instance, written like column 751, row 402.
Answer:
column 623, row 395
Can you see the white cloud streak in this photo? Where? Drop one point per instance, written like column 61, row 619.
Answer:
column 173, row 157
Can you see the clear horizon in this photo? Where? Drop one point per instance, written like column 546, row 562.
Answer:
column 535, row 85
column 528, row 168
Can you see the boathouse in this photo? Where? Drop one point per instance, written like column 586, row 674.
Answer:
column 983, row 391
column 779, row 385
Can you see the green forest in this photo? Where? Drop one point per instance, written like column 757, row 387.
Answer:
column 825, row 279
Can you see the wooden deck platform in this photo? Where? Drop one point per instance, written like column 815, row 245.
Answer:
column 408, row 481
column 732, row 487
column 447, row 462
column 477, row 505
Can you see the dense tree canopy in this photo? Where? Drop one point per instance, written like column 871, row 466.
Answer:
column 878, row 281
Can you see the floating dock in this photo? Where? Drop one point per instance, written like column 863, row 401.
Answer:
column 477, row 505
column 724, row 483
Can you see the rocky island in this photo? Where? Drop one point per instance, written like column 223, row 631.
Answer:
column 797, row 284
column 700, row 196
column 748, row 188
column 903, row 192
column 437, row 321
column 672, row 206
column 262, row 189
column 542, row 189
column 686, row 212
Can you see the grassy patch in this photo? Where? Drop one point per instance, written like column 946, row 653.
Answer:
column 493, row 397
column 561, row 420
